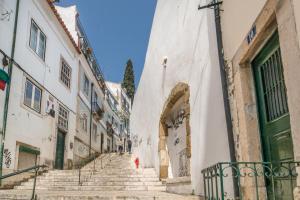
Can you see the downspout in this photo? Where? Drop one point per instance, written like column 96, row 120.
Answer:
column 225, row 90
column 112, row 142
column 5, row 113
column 91, row 119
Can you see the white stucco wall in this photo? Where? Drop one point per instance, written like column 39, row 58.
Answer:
column 237, row 19
column 187, row 38
column 174, row 150
column 68, row 15
column 25, row 125
column 6, row 36
column 296, row 7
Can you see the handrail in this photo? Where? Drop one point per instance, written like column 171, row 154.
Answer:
column 86, row 161
column 248, row 175
column 89, row 161
column 35, row 168
column 22, row 171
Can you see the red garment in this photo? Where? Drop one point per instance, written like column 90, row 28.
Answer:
column 137, row 162
column 2, row 85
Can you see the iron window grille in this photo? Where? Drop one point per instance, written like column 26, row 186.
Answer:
column 63, row 118
column 65, row 74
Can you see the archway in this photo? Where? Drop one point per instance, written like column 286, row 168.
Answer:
column 175, row 134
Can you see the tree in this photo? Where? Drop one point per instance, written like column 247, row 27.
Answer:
column 128, row 80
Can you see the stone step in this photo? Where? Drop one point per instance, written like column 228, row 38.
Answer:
column 117, row 178
column 92, row 183
column 109, row 171
column 79, row 195
column 94, row 188
column 130, row 183
column 124, row 173
column 97, row 179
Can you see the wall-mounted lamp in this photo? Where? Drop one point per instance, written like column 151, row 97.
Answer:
column 4, row 61
column 165, row 61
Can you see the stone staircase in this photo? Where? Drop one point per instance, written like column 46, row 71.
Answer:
column 109, row 177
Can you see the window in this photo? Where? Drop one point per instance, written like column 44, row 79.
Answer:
column 37, row 40
column 84, row 121
column 63, row 117
column 95, row 97
column 33, row 96
column 65, row 74
column 95, row 132
column 86, row 85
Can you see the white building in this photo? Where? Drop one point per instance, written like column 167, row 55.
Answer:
column 41, row 117
column 178, row 120
column 60, row 108
column 123, row 105
column 91, row 126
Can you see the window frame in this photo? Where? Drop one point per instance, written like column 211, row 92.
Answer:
column 95, row 129
column 88, row 88
column 95, row 97
column 34, row 87
column 84, row 122
column 39, row 32
column 60, row 116
column 63, row 62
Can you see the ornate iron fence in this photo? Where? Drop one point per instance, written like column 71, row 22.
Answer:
column 254, row 180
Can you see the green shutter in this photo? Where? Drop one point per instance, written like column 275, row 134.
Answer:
column 28, row 150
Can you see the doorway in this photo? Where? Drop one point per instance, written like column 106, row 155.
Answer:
column 274, row 118
column 60, row 150
column 175, row 134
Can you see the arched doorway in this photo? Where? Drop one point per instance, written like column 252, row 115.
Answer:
column 175, row 134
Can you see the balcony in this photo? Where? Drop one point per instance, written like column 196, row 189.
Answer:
column 109, row 128
column 252, row 180
column 87, row 51
column 97, row 111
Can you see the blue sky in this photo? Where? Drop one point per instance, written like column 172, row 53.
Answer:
column 117, row 30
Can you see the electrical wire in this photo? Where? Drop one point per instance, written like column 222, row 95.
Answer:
column 23, row 70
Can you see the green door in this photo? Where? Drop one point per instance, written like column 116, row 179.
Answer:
column 274, row 116
column 60, row 150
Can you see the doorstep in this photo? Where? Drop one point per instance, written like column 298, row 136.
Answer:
column 179, row 185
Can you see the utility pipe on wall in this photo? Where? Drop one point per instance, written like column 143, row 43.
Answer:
column 225, row 88
column 2, row 135
column 91, row 119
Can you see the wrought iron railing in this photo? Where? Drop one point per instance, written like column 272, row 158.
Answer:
column 254, row 180
column 85, row 47
column 97, row 110
column 85, row 174
column 34, row 169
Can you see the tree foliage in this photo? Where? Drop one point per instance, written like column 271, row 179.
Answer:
column 128, row 80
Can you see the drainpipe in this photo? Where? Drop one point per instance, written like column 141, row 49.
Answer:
column 225, row 89
column 112, row 142
column 91, row 119
column 2, row 135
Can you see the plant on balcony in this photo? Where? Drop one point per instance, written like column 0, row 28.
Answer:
column 97, row 111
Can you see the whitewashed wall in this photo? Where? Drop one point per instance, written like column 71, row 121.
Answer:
column 25, row 125
column 6, row 37
column 187, row 38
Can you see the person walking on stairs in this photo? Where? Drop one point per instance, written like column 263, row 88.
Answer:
column 129, row 143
